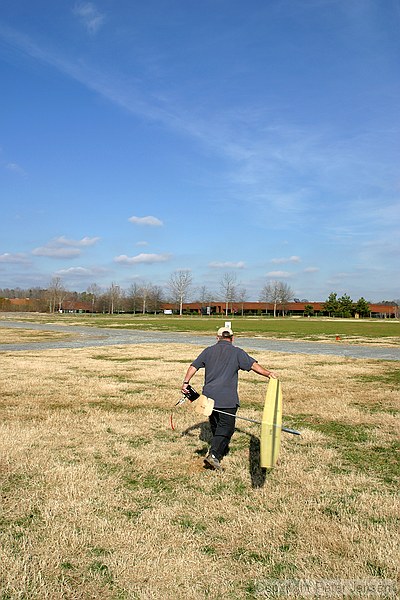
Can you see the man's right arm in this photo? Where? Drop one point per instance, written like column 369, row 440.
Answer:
column 189, row 374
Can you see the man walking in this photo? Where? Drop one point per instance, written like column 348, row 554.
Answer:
column 222, row 362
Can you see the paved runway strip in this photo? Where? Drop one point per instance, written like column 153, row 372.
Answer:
column 96, row 336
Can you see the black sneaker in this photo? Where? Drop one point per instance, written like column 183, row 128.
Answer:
column 211, row 462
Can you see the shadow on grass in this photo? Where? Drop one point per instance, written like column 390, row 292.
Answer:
column 257, row 473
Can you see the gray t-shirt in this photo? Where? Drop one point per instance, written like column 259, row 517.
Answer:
column 221, row 362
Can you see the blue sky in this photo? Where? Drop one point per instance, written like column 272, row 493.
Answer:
column 259, row 138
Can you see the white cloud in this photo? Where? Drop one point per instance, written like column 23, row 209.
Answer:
column 62, row 247
column 142, row 243
column 141, row 258
column 86, row 241
column 283, row 274
column 89, row 16
column 291, row 259
column 311, row 270
column 227, row 265
column 149, row 220
column 80, row 271
column 340, row 279
column 16, row 258
column 56, row 252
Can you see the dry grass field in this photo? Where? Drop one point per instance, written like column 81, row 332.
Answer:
column 101, row 499
column 21, row 336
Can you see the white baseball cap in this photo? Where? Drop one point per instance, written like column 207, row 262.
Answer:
column 225, row 330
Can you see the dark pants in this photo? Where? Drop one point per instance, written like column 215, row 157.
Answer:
column 222, row 427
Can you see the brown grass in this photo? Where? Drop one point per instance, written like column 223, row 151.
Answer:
column 23, row 336
column 101, row 499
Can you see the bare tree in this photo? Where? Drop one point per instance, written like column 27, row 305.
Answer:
column 270, row 294
column 276, row 293
column 134, row 296
column 228, row 289
column 94, row 292
column 145, row 293
column 114, row 295
column 179, row 284
column 155, row 298
column 286, row 295
column 241, row 298
column 204, row 297
column 57, row 293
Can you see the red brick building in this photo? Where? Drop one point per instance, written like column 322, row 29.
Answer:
column 383, row 311
column 261, row 308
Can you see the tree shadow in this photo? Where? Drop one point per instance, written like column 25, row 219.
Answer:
column 257, row 473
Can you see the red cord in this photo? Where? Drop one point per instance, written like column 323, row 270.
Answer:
column 172, row 425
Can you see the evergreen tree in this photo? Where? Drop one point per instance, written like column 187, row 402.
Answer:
column 331, row 306
column 346, row 307
column 362, row 308
column 308, row 310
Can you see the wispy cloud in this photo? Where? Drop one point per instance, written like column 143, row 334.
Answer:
column 62, row 247
column 149, row 220
column 311, row 270
column 16, row 258
column 290, row 259
column 86, row 241
column 56, row 252
column 259, row 155
column 15, row 168
column 216, row 132
column 261, row 149
column 282, row 274
column 88, row 14
column 75, row 271
column 142, row 258
column 227, row 265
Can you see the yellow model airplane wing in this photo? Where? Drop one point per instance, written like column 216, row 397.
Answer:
column 271, row 425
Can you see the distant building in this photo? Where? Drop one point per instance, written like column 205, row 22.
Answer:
column 296, row 308
column 74, row 306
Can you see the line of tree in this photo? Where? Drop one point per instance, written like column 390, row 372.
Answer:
column 145, row 297
column 346, row 307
